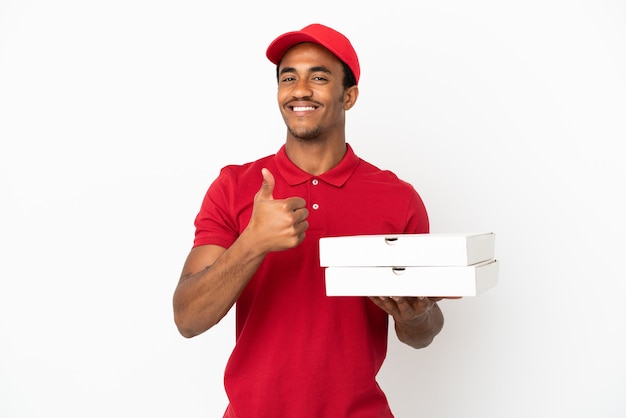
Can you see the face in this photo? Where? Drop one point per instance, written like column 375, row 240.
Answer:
column 311, row 95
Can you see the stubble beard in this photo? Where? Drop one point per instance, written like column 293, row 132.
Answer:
column 314, row 134
column 309, row 135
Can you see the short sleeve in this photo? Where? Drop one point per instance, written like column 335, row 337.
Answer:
column 214, row 222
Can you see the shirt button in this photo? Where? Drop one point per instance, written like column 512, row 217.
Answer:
column 315, row 206
column 315, row 182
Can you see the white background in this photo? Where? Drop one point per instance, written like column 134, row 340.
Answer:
column 116, row 115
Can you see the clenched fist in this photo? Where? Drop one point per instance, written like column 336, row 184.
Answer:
column 277, row 224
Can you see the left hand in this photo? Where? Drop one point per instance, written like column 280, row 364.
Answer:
column 405, row 309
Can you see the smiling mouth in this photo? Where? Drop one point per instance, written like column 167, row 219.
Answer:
column 302, row 108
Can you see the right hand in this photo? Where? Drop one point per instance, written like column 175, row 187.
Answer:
column 277, row 224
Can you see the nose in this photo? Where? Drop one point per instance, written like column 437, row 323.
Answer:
column 302, row 89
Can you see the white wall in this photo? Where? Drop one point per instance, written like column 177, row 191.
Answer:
column 115, row 116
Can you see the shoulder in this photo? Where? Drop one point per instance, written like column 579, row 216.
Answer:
column 246, row 168
column 243, row 173
column 367, row 171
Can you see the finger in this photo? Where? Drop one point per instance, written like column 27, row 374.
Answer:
column 409, row 307
column 266, row 192
column 404, row 305
column 296, row 203
column 386, row 303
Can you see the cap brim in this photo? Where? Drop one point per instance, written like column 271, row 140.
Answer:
column 280, row 45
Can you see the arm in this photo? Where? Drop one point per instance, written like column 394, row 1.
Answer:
column 417, row 320
column 213, row 277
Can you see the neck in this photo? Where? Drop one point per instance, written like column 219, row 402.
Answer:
column 315, row 157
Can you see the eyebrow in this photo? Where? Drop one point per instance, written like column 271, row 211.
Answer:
column 311, row 70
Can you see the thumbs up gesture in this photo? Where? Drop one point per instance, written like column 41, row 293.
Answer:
column 277, row 224
column 266, row 192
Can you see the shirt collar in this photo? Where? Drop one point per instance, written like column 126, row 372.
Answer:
column 336, row 176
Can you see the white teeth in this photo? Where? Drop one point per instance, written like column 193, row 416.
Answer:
column 302, row 108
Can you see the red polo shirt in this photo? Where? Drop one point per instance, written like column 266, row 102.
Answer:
column 299, row 353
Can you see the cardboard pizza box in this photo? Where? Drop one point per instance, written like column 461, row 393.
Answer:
column 412, row 281
column 443, row 249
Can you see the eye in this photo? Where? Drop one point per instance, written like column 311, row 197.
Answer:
column 287, row 79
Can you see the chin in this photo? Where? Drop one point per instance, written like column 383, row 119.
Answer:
column 313, row 134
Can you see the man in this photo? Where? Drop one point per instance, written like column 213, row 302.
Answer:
column 299, row 353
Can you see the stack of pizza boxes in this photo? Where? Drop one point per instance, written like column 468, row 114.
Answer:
column 444, row 265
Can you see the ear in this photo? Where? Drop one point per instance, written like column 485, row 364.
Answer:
column 349, row 97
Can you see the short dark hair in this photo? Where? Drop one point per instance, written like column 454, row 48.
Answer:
column 348, row 76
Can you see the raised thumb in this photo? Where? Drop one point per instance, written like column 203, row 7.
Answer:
column 267, row 187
